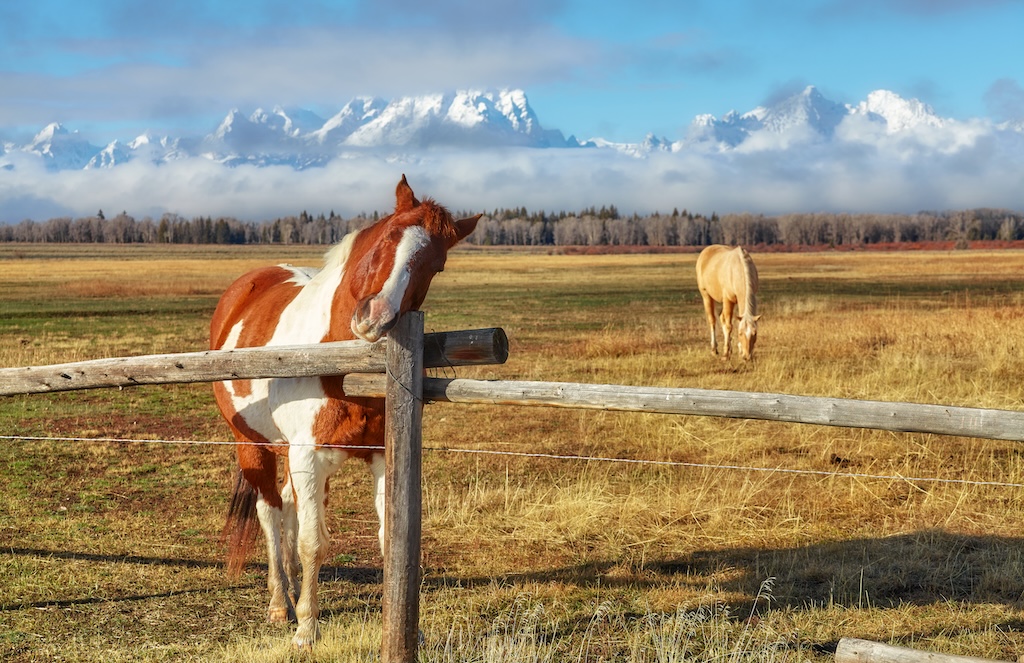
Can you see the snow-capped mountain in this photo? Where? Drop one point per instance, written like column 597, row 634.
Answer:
column 302, row 139
column 898, row 114
column 115, row 153
column 811, row 116
column 60, row 148
column 473, row 119
column 356, row 113
column 461, row 119
column 809, row 109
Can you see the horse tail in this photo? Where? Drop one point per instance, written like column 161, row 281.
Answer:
column 242, row 525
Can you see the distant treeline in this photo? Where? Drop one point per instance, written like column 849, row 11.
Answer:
column 519, row 227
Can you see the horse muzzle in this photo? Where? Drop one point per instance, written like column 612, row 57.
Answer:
column 373, row 318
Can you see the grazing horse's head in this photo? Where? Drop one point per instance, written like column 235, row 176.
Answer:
column 748, row 336
column 391, row 263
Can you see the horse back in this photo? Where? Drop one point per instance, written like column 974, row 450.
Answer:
column 256, row 300
column 713, row 273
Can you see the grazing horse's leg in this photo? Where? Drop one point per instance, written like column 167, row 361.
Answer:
column 726, row 317
column 709, row 312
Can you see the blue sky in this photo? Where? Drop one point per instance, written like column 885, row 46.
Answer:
column 617, row 70
column 113, row 69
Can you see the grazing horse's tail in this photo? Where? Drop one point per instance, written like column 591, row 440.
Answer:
column 242, row 526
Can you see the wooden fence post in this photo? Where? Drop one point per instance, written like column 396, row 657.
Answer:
column 403, row 497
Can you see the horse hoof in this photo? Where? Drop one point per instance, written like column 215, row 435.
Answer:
column 305, row 638
column 304, row 643
column 277, row 615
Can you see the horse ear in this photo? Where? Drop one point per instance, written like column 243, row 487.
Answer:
column 404, row 198
column 463, row 227
column 756, row 317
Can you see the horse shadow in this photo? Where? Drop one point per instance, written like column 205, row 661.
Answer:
column 355, row 575
column 920, row 568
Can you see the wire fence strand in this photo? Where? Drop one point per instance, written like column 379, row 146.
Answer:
column 545, row 456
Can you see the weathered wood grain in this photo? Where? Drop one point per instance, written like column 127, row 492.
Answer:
column 454, row 348
column 881, row 415
column 854, row 650
column 403, row 443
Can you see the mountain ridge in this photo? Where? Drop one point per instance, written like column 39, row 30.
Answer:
column 472, row 119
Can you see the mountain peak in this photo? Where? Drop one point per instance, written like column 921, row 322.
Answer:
column 899, row 114
column 808, row 108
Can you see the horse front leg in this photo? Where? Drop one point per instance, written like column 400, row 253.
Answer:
column 309, row 485
column 709, row 314
column 726, row 317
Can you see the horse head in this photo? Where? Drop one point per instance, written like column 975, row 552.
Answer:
column 748, row 336
column 393, row 262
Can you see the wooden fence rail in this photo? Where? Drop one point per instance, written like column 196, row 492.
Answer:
column 455, row 348
column 848, row 413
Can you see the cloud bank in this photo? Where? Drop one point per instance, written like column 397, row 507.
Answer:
column 859, row 172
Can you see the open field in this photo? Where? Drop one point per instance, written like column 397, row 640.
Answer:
column 109, row 550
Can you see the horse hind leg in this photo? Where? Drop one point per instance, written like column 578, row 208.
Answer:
column 709, row 313
column 282, row 599
column 259, row 469
column 726, row 318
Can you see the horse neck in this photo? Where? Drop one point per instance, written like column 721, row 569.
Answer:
column 319, row 295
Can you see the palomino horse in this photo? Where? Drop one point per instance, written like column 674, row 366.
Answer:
column 727, row 275
column 369, row 279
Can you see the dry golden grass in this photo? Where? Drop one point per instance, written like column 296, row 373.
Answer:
column 543, row 558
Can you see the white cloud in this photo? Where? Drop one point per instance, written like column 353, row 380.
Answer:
column 843, row 175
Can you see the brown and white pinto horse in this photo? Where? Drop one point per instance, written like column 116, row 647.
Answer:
column 368, row 280
column 727, row 275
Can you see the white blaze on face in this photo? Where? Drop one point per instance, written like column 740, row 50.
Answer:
column 414, row 240
column 387, row 303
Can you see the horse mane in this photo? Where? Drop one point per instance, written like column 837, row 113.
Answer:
column 437, row 220
column 337, row 255
column 750, row 282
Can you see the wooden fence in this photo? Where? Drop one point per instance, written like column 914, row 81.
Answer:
column 393, row 368
column 399, row 359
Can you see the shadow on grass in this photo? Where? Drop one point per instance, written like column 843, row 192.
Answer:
column 354, row 575
column 920, row 568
